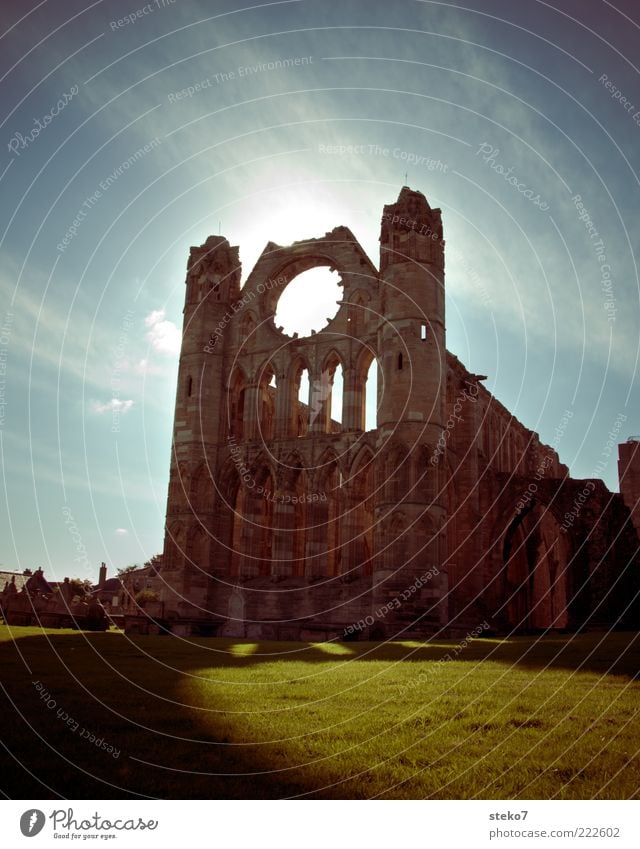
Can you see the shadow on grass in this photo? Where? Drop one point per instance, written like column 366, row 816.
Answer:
column 106, row 716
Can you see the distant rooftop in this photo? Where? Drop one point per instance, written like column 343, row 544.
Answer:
column 8, row 577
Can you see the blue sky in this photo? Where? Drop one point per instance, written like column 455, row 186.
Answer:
column 517, row 119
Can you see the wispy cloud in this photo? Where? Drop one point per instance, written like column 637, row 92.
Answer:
column 50, row 333
column 163, row 334
column 114, row 405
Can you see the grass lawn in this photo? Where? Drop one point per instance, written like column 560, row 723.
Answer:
column 528, row 718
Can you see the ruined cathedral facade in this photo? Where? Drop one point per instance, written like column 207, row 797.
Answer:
column 284, row 523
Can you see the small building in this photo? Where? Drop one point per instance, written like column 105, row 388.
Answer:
column 29, row 599
column 109, row 592
column 137, row 581
column 13, row 579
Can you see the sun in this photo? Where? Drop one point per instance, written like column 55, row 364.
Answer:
column 288, row 215
column 296, row 213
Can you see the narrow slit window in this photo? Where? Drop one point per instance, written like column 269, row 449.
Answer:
column 400, row 361
column 189, row 386
column 423, row 332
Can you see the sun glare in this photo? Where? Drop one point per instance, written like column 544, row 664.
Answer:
column 290, row 215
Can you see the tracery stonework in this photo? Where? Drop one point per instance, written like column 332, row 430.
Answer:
column 284, row 523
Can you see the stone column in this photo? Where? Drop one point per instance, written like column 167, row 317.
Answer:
column 320, row 385
column 251, row 412
column 316, row 541
column 352, row 411
column 284, row 524
column 282, row 425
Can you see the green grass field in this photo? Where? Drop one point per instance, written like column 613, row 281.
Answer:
column 527, row 718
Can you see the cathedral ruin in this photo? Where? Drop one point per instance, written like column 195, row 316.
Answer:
column 284, row 523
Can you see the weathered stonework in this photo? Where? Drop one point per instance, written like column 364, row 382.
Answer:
column 282, row 523
column 629, row 475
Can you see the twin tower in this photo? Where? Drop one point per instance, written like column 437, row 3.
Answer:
column 284, row 521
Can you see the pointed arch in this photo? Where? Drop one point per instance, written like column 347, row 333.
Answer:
column 262, row 472
column 327, row 394
column 198, row 549
column 289, row 518
column 266, row 401
column 227, row 482
column 247, row 331
column 359, row 519
column 332, row 359
column 296, row 407
column 328, row 464
column 358, row 314
column 397, row 473
column 536, row 558
column 394, row 547
column 362, row 394
column 425, row 477
column 174, row 546
column 363, row 461
column 298, row 363
column 236, row 397
column 429, row 543
column 323, row 555
column 253, row 521
column 292, row 469
column 201, row 490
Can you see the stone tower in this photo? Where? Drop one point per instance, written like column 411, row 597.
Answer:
column 629, row 477
column 212, row 285
column 411, row 511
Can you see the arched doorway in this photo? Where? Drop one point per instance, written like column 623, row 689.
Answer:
column 535, row 568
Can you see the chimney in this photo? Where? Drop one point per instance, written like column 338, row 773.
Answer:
column 103, row 575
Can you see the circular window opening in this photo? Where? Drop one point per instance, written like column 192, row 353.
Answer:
column 309, row 302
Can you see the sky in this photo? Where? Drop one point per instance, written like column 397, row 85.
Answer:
column 131, row 131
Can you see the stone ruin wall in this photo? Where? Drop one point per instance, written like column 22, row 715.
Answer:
column 282, row 523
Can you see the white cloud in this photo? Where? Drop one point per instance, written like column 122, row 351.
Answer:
column 121, row 532
column 163, row 335
column 42, row 340
column 146, row 367
column 114, row 405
